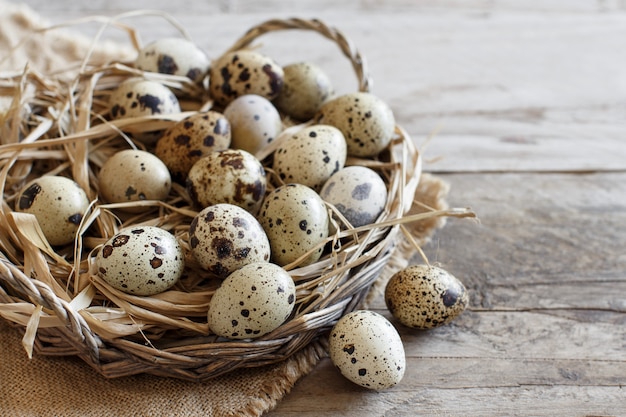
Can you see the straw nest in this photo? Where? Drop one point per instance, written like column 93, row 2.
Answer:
column 59, row 124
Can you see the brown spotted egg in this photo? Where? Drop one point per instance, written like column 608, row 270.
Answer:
column 225, row 237
column 424, row 296
column 358, row 193
column 138, row 97
column 231, row 176
column 244, row 72
column 367, row 350
column 254, row 121
column 252, row 301
column 306, row 87
column 296, row 222
column 190, row 139
column 310, row 156
column 366, row 121
column 176, row 56
column 141, row 260
column 134, row 175
column 58, row 203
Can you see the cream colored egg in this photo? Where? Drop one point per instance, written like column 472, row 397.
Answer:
column 366, row 121
column 255, row 122
column 190, row 139
column 138, row 97
column 176, row 56
column 231, row 176
column 59, row 205
column 244, row 72
column 225, row 237
column 367, row 350
column 134, row 175
column 310, row 156
column 424, row 296
column 252, row 301
column 141, row 260
column 358, row 193
column 296, row 222
column 306, row 87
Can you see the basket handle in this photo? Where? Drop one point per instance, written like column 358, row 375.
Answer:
column 347, row 47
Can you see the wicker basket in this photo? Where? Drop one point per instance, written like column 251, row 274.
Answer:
column 65, row 309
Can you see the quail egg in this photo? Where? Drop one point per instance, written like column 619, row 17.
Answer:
column 366, row 121
column 134, row 175
column 306, row 87
column 254, row 121
column 141, row 260
column 138, row 97
column 367, row 350
column 310, row 156
column 59, row 205
column 244, row 72
column 357, row 192
column 176, row 56
column 231, row 176
column 425, row 296
column 296, row 222
column 224, row 237
column 190, row 139
column 252, row 301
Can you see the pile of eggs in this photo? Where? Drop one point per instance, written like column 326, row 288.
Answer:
column 248, row 230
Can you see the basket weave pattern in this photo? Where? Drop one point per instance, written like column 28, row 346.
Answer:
column 57, row 125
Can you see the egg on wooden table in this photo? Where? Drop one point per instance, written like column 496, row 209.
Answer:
column 358, row 193
column 367, row 350
column 190, row 139
column 224, row 237
column 252, row 301
column 310, row 155
column 176, row 56
column 231, row 176
column 141, row 260
column 296, row 221
column 425, row 296
column 58, row 203
column 254, row 121
column 133, row 175
column 366, row 121
column 244, row 72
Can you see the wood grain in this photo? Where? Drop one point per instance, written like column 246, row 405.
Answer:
column 526, row 103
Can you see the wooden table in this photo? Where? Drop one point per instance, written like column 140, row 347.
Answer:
column 527, row 103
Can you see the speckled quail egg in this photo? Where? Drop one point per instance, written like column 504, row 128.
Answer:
column 134, row 175
column 138, row 97
column 424, row 296
column 296, row 222
column 190, row 139
column 244, row 72
column 59, row 205
column 252, row 301
column 224, row 237
column 231, row 176
column 357, row 192
column 176, row 56
column 366, row 121
column 367, row 350
column 254, row 121
column 141, row 260
column 310, row 156
column 306, row 87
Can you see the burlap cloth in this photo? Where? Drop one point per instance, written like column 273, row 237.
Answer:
column 66, row 386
